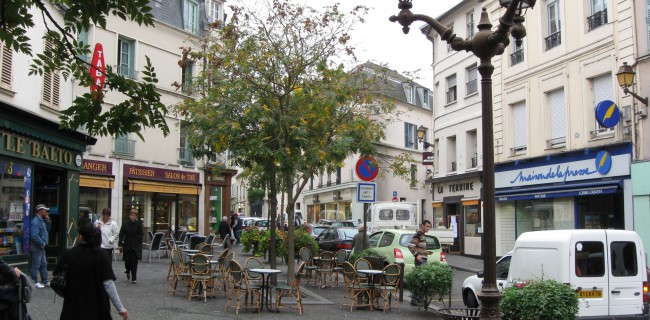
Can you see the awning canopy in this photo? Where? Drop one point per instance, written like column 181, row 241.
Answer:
column 163, row 187
column 104, row 182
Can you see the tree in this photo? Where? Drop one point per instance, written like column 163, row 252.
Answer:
column 272, row 96
column 142, row 108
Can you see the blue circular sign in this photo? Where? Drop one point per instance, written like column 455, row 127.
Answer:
column 603, row 162
column 367, row 168
column 607, row 114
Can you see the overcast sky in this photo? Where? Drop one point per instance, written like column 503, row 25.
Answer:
column 382, row 41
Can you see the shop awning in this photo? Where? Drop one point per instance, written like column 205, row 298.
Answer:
column 436, row 204
column 568, row 190
column 163, row 187
column 470, row 201
column 96, row 181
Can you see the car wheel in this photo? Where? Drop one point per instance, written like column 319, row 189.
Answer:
column 470, row 299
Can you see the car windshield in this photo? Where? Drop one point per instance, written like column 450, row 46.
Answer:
column 262, row 223
column 432, row 242
column 318, row 230
column 348, row 233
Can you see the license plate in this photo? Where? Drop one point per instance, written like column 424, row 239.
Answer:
column 590, row 294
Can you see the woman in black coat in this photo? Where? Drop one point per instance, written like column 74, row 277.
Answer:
column 224, row 230
column 9, row 300
column 131, row 235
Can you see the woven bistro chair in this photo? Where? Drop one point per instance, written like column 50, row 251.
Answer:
column 355, row 291
column 226, row 264
column 362, row 264
column 292, row 291
column 325, row 268
column 340, row 257
column 254, row 278
column 310, row 268
column 200, row 277
column 241, row 290
column 389, row 286
column 180, row 272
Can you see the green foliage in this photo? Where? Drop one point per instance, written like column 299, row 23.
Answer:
column 430, row 282
column 255, row 194
column 259, row 241
column 301, row 238
column 142, row 108
column 368, row 252
column 539, row 299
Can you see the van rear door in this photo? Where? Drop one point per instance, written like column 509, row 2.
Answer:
column 589, row 272
column 626, row 274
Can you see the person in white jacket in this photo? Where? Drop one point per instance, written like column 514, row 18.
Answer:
column 110, row 231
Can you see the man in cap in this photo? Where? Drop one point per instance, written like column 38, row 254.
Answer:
column 38, row 235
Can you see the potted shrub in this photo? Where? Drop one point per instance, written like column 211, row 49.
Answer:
column 369, row 252
column 539, row 299
column 430, row 282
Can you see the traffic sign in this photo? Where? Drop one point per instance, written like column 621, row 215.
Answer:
column 395, row 199
column 366, row 192
column 367, row 168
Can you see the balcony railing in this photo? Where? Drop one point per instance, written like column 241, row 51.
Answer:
column 597, row 19
column 553, row 40
column 124, row 147
column 517, row 56
column 472, row 86
column 451, row 95
column 475, row 161
column 185, row 155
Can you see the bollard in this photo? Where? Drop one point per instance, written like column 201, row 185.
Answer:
column 401, row 281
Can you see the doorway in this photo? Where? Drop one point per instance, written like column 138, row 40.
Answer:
column 49, row 187
column 452, row 212
column 164, row 208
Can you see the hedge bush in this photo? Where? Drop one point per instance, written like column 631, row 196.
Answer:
column 429, row 282
column 539, row 300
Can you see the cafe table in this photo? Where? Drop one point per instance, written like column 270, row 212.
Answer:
column 266, row 275
column 371, row 279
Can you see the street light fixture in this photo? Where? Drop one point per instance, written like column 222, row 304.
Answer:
column 485, row 44
column 421, row 132
column 625, row 77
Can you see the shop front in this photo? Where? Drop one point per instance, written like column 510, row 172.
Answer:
column 167, row 200
column 217, row 198
column 456, row 205
column 330, row 205
column 39, row 164
column 588, row 189
column 95, row 187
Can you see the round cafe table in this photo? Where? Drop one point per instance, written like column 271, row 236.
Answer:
column 371, row 275
column 265, row 283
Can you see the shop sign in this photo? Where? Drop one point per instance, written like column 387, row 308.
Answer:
column 103, row 168
column 457, row 187
column 159, row 174
column 38, row 151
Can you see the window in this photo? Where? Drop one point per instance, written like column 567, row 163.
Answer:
column 185, row 151
column 126, row 58
column 188, row 73
column 517, row 55
column 414, row 176
column 425, row 98
column 386, row 214
column 602, row 87
column 387, row 239
column 451, row 154
column 472, row 82
column 590, row 259
column 410, row 135
column 520, row 133
column 469, row 17
column 598, row 15
column 623, row 258
column 338, row 178
column 51, row 84
column 471, row 148
column 553, row 28
column 451, row 89
column 82, row 38
column 124, row 145
column 5, row 66
column 409, row 91
column 503, row 266
column 191, row 16
column 402, row 214
column 213, row 9
column 429, row 104
column 558, row 118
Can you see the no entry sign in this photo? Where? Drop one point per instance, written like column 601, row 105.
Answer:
column 367, row 168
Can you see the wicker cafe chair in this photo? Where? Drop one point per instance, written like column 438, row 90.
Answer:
column 180, row 272
column 325, row 268
column 305, row 256
column 339, row 257
column 241, row 290
column 389, row 287
column 200, row 274
column 206, row 249
column 292, row 291
column 354, row 290
column 170, row 244
column 220, row 273
column 226, row 262
column 255, row 279
column 362, row 264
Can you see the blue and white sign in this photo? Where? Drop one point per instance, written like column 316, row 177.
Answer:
column 602, row 165
column 366, row 192
column 607, row 114
column 394, row 193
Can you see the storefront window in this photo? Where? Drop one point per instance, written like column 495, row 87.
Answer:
column 94, row 200
column 544, row 214
column 345, row 207
column 472, row 221
column 215, row 208
column 12, row 198
column 189, row 213
column 601, row 212
column 132, row 200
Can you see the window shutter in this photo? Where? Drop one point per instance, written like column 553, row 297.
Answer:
column 406, row 135
column 520, row 125
column 7, row 54
column 603, row 88
column 558, row 114
column 51, row 84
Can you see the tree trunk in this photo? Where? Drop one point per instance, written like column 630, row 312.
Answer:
column 273, row 209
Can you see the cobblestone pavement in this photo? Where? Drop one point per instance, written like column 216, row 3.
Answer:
column 148, row 299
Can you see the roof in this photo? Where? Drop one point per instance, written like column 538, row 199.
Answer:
column 394, row 86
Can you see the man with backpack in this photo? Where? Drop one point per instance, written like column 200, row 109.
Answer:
column 236, row 224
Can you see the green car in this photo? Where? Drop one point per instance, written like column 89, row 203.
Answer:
column 393, row 244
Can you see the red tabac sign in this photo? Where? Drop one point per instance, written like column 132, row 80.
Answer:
column 97, row 71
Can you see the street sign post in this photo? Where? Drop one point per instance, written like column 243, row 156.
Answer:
column 367, row 168
column 366, row 192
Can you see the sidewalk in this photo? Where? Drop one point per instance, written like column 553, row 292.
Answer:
column 148, row 299
column 464, row 263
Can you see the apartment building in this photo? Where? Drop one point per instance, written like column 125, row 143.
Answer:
column 561, row 162
column 72, row 172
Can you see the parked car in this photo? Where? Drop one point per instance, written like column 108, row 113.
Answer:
column 250, row 221
column 316, row 229
column 393, row 244
column 335, row 238
column 261, row 224
column 345, row 223
column 473, row 284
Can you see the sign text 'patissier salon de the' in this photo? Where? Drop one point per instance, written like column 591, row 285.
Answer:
column 159, row 174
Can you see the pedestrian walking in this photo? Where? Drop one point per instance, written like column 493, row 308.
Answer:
column 131, row 235
column 224, row 230
column 38, row 234
column 418, row 247
column 109, row 230
column 89, row 279
column 236, row 225
column 360, row 240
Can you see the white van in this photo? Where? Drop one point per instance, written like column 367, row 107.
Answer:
column 606, row 267
column 392, row 215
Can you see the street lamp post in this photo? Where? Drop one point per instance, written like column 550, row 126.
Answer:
column 485, row 44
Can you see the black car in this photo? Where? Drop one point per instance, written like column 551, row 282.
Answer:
column 335, row 238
